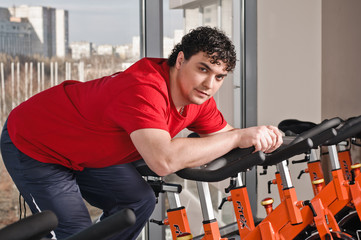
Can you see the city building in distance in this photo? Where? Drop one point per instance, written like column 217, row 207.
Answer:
column 34, row 30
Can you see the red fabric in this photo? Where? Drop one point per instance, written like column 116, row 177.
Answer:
column 79, row 125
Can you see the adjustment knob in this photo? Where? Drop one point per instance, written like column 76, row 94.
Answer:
column 318, row 184
column 267, row 204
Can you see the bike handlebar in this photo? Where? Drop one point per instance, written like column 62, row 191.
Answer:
column 288, row 151
column 236, row 161
column 230, row 164
column 324, row 137
column 317, row 130
column 304, row 141
column 240, row 160
column 349, row 128
column 107, row 227
column 36, row 226
column 33, row 227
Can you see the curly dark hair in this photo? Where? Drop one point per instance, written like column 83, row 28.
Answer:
column 211, row 41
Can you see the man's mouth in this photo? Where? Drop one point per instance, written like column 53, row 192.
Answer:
column 203, row 93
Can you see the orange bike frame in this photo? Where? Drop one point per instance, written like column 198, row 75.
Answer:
column 177, row 221
column 242, row 209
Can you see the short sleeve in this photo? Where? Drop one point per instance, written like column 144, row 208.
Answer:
column 140, row 106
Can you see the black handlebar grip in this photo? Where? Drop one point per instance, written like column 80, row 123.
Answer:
column 107, row 227
column 350, row 128
column 33, row 227
column 323, row 126
column 323, row 137
column 286, row 152
column 224, row 167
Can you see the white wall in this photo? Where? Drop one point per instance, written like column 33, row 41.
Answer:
column 289, row 73
column 341, row 57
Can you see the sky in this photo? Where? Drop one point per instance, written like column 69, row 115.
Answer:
column 103, row 21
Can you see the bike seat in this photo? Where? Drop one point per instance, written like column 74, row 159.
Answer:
column 295, row 126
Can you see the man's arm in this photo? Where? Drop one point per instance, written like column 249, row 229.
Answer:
column 165, row 155
column 225, row 129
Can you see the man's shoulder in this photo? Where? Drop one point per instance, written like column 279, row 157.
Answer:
column 153, row 60
column 148, row 71
column 148, row 64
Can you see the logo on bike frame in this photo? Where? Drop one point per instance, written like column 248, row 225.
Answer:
column 242, row 219
column 347, row 172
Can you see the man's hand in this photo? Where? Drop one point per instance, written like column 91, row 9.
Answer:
column 263, row 138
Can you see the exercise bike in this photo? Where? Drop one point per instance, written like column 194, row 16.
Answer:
column 37, row 226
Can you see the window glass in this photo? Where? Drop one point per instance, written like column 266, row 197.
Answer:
column 173, row 27
column 46, row 42
column 43, row 43
column 187, row 15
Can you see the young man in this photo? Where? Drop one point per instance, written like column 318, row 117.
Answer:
column 76, row 140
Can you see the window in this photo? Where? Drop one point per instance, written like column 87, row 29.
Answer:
column 59, row 40
column 180, row 17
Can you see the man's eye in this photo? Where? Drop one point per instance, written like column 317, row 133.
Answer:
column 220, row 78
column 203, row 69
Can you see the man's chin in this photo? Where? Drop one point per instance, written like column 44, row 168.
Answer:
column 199, row 101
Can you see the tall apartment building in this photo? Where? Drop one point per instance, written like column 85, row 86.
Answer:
column 31, row 30
column 214, row 13
column 62, row 32
column 16, row 34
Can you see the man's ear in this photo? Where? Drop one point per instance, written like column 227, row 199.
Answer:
column 180, row 59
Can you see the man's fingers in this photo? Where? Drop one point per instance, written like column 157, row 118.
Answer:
column 273, row 139
column 263, row 138
column 278, row 138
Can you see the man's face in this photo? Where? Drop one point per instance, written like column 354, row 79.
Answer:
column 198, row 79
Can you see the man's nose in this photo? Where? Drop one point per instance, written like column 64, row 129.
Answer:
column 208, row 82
